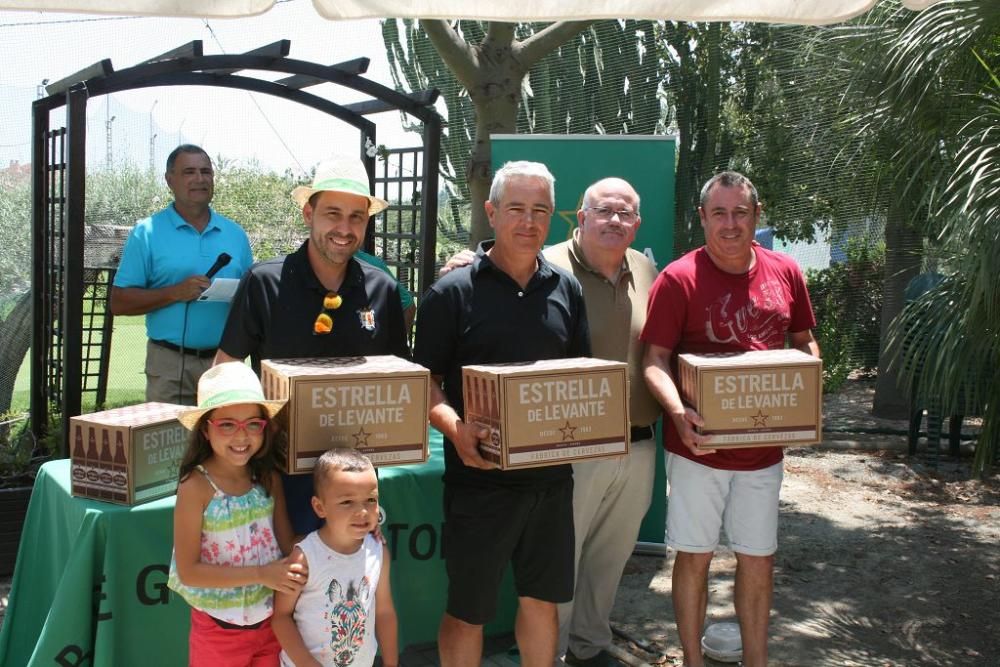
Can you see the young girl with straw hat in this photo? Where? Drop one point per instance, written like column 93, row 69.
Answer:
column 231, row 528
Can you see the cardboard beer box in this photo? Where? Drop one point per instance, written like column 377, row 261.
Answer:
column 549, row 412
column 127, row 455
column 377, row 405
column 754, row 399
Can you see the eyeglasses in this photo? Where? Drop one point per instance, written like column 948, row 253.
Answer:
column 324, row 322
column 227, row 427
column 624, row 215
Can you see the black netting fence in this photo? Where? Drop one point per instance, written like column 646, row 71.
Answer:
column 764, row 100
column 752, row 98
column 274, row 228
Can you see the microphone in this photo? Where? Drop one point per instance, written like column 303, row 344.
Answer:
column 220, row 262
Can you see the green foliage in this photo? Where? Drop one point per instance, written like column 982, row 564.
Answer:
column 257, row 198
column 15, row 237
column 604, row 81
column 450, row 236
column 708, row 78
column 877, row 111
column 20, row 454
column 734, row 93
column 949, row 340
column 758, row 99
column 847, row 301
column 261, row 201
column 415, row 65
column 124, row 195
column 15, row 284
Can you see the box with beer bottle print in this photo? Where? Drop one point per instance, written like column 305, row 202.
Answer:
column 127, row 455
column 549, row 412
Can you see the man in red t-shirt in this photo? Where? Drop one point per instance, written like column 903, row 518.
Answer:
column 729, row 295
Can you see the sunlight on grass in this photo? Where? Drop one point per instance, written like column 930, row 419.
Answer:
column 126, row 376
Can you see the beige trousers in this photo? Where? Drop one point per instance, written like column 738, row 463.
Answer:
column 610, row 499
column 164, row 381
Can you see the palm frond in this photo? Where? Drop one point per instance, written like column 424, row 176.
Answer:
column 949, row 340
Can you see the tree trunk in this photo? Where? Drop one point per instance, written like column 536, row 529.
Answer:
column 492, row 72
column 903, row 247
column 684, row 72
column 699, row 125
column 15, row 340
column 496, row 113
column 713, row 102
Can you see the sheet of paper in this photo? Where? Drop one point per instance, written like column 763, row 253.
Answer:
column 221, row 289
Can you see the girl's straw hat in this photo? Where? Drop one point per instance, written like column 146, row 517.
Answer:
column 230, row 383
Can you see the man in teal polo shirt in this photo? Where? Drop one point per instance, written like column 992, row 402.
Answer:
column 162, row 274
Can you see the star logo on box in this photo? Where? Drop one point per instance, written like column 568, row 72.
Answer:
column 568, row 431
column 760, row 419
column 361, row 438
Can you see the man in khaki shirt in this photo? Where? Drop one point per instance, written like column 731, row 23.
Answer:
column 610, row 497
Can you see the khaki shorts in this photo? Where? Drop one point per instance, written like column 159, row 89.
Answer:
column 703, row 500
column 163, row 375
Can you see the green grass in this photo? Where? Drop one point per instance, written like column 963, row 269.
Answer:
column 126, row 377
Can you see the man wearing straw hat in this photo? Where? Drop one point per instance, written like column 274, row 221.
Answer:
column 319, row 301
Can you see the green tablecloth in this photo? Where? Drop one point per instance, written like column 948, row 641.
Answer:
column 90, row 588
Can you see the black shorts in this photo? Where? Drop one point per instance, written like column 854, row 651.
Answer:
column 485, row 528
column 298, row 501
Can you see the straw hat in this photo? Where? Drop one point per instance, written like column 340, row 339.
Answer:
column 230, row 383
column 340, row 174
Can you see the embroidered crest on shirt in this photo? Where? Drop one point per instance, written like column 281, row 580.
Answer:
column 367, row 318
column 348, row 618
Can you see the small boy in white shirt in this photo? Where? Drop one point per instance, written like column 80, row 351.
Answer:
column 345, row 611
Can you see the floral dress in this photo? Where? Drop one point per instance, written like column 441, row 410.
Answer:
column 236, row 531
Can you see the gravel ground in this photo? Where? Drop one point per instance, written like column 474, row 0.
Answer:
column 883, row 560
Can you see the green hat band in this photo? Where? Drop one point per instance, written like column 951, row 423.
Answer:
column 343, row 184
column 233, row 396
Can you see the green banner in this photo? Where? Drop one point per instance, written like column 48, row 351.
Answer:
column 647, row 162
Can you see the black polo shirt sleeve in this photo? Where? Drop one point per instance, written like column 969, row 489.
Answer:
column 248, row 315
column 579, row 342
column 436, row 336
column 398, row 344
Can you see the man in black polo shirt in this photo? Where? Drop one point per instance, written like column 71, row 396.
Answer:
column 509, row 305
column 318, row 301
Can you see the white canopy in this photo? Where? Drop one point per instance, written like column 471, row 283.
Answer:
column 771, row 11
